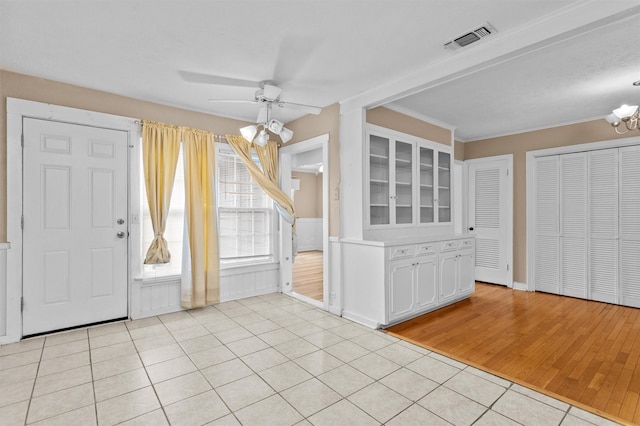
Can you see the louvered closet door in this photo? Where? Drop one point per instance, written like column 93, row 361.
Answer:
column 630, row 226
column 547, row 244
column 488, row 212
column 573, row 225
column 603, row 225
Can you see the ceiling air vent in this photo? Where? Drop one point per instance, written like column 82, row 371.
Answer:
column 470, row 37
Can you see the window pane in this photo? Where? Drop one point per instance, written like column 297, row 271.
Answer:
column 244, row 233
column 245, row 215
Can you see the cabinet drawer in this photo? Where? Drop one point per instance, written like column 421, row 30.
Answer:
column 430, row 248
column 466, row 244
column 401, row 252
column 448, row 246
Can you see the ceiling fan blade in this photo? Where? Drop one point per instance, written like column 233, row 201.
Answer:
column 235, row 101
column 196, row 77
column 309, row 109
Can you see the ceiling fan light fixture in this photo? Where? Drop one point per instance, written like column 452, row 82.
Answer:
column 249, row 132
column 275, row 126
column 625, row 111
column 612, row 118
column 285, row 135
column 262, row 138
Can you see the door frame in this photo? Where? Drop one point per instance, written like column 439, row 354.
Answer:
column 286, row 265
column 17, row 109
column 531, row 189
column 509, row 203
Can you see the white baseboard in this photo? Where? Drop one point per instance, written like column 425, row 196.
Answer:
column 520, row 286
column 360, row 320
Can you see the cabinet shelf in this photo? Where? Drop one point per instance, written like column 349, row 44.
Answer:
column 379, row 181
column 403, row 183
column 378, row 156
column 379, row 205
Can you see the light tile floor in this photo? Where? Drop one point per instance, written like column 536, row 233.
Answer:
column 267, row 360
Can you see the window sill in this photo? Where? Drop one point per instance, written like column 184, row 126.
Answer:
column 225, row 270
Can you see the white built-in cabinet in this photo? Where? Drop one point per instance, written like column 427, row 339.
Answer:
column 408, row 180
column 587, row 222
column 392, row 281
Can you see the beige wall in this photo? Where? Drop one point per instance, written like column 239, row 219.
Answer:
column 309, row 126
column 518, row 145
column 393, row 120
column 37, row 89
column 458, row 151
column 308, row 199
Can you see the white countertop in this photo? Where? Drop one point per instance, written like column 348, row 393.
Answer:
column 408, row 240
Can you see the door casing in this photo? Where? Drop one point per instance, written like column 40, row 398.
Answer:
column 16, row 110
column 286, row 264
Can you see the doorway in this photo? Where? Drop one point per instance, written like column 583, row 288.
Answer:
column 303, row 177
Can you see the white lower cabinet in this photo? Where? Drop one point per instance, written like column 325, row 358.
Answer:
column 388, row 282
column 412, row 285
column 456, row 274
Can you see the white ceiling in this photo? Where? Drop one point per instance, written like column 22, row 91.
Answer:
column 326, row 51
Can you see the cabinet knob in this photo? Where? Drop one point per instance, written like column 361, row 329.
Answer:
column 471, row 228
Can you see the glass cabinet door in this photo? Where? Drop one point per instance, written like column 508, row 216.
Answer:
column 426, row 178
column 379, row 213
column 444, row 187
column 404, row 182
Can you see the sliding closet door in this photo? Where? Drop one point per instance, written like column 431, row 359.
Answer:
column 603, row 225
column 630, row 226
column 573, row 225
column 547, row 272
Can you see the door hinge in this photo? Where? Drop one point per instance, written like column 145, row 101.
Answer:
column 507, row 172
column 507, row 266
column 22, row 222
column 22, row 140
column 21, row 304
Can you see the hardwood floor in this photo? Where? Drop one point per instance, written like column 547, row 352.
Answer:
column 583, row 352
column 307, row 274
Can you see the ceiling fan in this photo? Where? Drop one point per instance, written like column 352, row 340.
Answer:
column 269, row 94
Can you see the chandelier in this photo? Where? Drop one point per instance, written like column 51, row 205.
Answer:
column 624, row 119
column 267, row 123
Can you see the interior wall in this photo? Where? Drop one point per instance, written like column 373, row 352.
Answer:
column 309, row 126
column 308, row 199
column 21, row 86
column 519, row 145
column 399, row 122
column 458, row 150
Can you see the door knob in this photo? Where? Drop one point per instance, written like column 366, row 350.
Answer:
column 120, row 234
column 120, row 221
column 471, row 228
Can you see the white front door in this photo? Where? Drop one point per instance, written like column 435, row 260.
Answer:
column 490, row 218
column 75, row 225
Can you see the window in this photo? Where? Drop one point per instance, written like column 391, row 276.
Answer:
column 245, row 217
column 245, row 213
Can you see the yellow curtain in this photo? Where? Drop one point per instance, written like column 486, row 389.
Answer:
column 160, row 149
column 268, row 180
column 201, row 287
column 268, row 156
